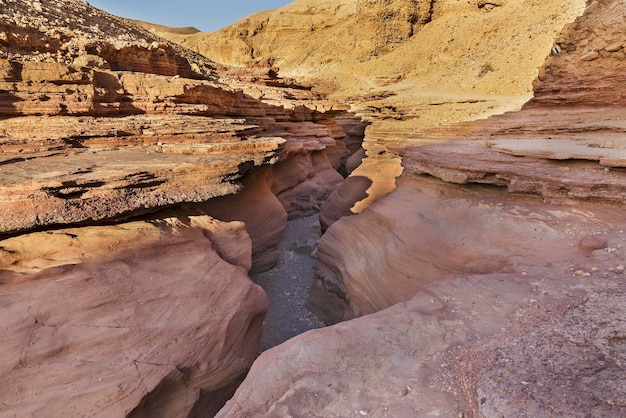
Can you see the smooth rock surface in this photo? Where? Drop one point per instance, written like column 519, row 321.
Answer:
column 139, row 319
column 476, row 345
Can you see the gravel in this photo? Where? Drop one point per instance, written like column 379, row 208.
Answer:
column 288, row 284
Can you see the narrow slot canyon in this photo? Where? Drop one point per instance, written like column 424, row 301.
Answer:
column 289, row 282
column 362, row 208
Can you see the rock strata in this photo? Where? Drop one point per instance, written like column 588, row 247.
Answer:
column 121, row 295
column 173, row 139
column 569, row 157
column 491, row 279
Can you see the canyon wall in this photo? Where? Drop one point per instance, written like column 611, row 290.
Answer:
column 135, row 319
column 565, row 159
column 139, row 184
column 492, row 274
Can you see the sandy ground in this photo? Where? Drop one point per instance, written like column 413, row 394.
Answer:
column 288, row 284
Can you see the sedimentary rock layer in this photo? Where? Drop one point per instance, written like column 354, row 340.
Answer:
column 121, row 296
column 570, row 157
column 499, row 258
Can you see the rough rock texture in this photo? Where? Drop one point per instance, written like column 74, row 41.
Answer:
column 166, row 139
column 467, row 346
column 570, row 157
column 136, row 319
column 121, row 297
column 499, row 257
column 346, row 44
column 452, row 61
column 585, row 50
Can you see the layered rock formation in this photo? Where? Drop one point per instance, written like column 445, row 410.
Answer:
column 173, row 139
column 499, row 257
column 123, row 297
column 493, row 272
column 452, row 61
column 568, row 156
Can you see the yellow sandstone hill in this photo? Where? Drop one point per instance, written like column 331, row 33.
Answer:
column 351, row 47
column 405, row 66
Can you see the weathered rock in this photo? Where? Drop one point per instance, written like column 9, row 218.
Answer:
column 508, row 265
column 565, row 155
column 172, row 140
column 262, row 212
column 102, row 122
column 476, row 345
column 452, row 61
column 138, row 319
column 426, row 230
column 589, row 68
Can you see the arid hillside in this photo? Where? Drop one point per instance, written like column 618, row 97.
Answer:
column 352, row 48
column 404, row 66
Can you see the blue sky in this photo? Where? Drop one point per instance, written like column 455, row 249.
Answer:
column 206, row 15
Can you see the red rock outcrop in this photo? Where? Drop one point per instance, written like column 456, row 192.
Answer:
column 173, row 139
column 103, row 123
column 466, row 346
column 588, row 61
column 569, row 156
column 137, row 319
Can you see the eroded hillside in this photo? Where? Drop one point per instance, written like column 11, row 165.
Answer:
column 405, row 66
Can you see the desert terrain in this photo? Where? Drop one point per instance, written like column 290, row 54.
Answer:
column 440, row 182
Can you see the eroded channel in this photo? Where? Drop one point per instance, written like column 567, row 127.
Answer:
column 289, row 282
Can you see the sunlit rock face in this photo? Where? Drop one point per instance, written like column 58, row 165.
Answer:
column 490, row 281
column 554, row 175
column 136, row 319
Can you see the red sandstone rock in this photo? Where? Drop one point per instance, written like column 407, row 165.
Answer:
column 192, row 139
column 471, row 345
column 507, row 265
column 570, row 156
column 137, row 319
column 426, row 230
column 156, row 317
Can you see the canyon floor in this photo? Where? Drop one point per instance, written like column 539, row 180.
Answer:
column 288, row 284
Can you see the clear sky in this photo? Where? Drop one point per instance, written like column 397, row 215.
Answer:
column 206, row 15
